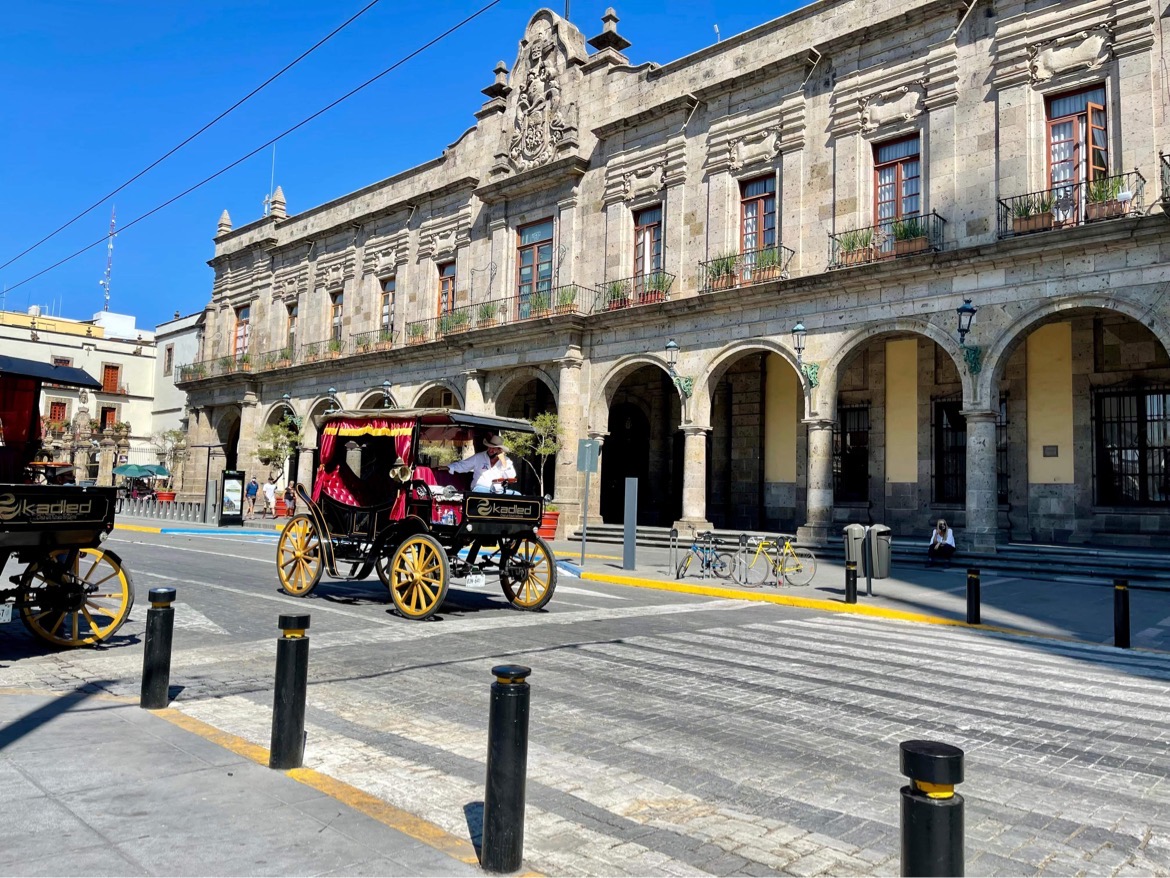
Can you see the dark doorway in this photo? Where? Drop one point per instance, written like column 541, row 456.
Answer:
column 531, row 399
column 625, row 455
column 231, row 446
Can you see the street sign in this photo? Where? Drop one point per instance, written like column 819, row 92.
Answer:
column 587, row 455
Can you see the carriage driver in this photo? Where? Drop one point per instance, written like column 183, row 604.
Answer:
column 488, row 468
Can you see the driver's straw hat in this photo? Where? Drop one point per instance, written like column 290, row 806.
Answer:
column 494, row 441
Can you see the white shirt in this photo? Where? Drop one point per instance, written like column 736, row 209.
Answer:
column 483, row 471
column 938, row 539
column 270, row 493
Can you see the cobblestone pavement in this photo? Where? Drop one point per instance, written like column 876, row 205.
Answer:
column 677, row 735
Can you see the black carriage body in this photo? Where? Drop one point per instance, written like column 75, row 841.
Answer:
column 37, row 518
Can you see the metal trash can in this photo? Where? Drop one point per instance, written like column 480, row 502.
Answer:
column 880, row 540
column 854, row 544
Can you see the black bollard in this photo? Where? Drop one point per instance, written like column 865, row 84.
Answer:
column 507, row 765
column 932, row 812
column 156, row 653
column 850, row 582
column 288, row 701
column 973, row 596
column 1121, row 613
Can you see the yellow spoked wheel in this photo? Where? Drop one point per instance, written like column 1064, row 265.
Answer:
column 75, row 598
column 299, row 557
column 528, row 572
column 419, row 575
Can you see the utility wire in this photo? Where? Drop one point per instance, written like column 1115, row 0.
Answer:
column 263, row 146
column 174, row 150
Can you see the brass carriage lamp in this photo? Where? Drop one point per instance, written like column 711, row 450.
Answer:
column 966, row 313
column 799, row 337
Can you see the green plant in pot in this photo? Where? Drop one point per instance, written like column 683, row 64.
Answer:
column 910, row 236
column 334, row 346
column 767, row 264
column 416, row 332
column 656, row 286
column 489, row 312
column 1032, row 213
column 617, row 295
column 1104, row 197
column 721, row 272
column 567, row 298
column 541, row 301
column 856, row 246
column 535, row 449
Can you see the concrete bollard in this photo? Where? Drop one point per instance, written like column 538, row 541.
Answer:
column 507, row 767
column 1121, row 613
column 932, row 812
column 973, row 596
column 850, row 582
column 156, row 653
column 288, row 699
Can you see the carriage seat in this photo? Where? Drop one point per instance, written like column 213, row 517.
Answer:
column 346, row 488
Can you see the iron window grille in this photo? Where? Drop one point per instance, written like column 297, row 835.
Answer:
column 949, row 431
column 1131, row 439
column 851, row 454
column 1003, row 482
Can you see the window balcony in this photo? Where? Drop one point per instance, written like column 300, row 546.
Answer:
column 331, row 348
column 1073, row 204
column 116, row 390
column 752, row 267
column 280, row 358
column 642, row 289
column 1164, row 165
column 381, row 339
column 551, row 302
column 889, row 239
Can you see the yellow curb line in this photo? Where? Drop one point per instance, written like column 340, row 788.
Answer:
column 141, row 528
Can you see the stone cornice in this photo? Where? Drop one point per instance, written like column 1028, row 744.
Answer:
column 557, row 173
column 682, row 104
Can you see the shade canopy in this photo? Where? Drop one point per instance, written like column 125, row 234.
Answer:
column 69, row 376
column 134, row 471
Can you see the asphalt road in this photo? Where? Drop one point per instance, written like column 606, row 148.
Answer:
column 671, row 734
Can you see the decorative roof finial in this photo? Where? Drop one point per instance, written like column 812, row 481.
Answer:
column 499, row 88
column 279, row 205
column 225, row 224
column 609, row 38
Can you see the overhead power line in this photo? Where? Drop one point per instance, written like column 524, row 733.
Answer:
column 264, row 145
column 173, row 150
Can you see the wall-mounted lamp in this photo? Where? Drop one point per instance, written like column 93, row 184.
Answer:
column 972, row 354
column 334, row 402
column 387, row 402
column 684, row 384
column 799, row 337
column 292, row 415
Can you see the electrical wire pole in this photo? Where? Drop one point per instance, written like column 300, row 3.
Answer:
column 105, row 281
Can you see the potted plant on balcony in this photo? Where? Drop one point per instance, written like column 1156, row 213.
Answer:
column 227, row 365
column 617, row 295
column 767, row 265
column 1032, row 213
column 910, row 236
column 244, row 362
column 312, row 352
column 654, row 288
column 416, row 333
column 541, row 302
column 385, row 339
column 535, row 449
column 856, row 246
column 172, row 452
column 1104, row 199
column 284, row 358
column 489, row 313
column 334, row 347
column 567, row 299
column 721, row 272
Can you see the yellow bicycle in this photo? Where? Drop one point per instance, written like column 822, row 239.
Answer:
column 762, row 557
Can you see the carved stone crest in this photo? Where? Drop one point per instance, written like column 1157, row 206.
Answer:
column 759, row 146
column 896, row 105
column 542, row 118
column 644, row 181
column 1085, row 50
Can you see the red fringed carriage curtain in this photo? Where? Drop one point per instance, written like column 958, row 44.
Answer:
column 19, row 425
column 335, row 433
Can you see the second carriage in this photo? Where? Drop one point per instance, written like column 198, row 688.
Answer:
column 375, row 506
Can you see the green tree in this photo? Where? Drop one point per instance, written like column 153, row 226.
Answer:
column 538, row 446
column 172, row 447
column 275, row 443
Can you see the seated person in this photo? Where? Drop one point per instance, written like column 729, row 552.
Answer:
column 488, row 468
column 942, row 543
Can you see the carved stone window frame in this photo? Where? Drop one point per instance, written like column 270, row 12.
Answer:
column 1039, row 96
column 867, row 195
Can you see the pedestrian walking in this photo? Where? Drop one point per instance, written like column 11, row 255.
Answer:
column 290, row 501
column 250, row 493
column 270, row 497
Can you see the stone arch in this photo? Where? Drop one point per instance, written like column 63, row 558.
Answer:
column 374, row 399
column 612, row 380
column 442, row 384
column 724, row 359
column 228, row 425
column 1000, row 351
column 318, row 406
column 516, row 379
column 827, row 405
column 276, row 412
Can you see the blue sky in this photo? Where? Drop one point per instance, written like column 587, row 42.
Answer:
column 95, row 90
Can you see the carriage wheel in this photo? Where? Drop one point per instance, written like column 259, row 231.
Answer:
column 299, row 561
column 528, row 572
column 75, row 602
column 419, row 575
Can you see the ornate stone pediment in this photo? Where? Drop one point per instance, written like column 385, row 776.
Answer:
column 541, row 107
column 1086, row 50
column 900, row 104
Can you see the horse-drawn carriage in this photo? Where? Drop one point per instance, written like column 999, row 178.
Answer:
column 72, row 592
column 377, row 506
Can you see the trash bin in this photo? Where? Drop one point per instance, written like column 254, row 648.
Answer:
column 854, row 544
column 879, row 550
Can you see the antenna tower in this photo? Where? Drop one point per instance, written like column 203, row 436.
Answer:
column 104, row 283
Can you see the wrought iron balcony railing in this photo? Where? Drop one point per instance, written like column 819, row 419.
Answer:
column 375, row 340
column 889, row 239
column 1073, row 204
column 1164, row 164
column 546, row 302
column 280, row 358
column 739, row 269
column 642, row 289
column 332, row 348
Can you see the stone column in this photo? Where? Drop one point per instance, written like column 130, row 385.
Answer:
column 109, row 449
column 982, row 490
column 819, row 496
column 473, row 397
column 694, row 498
column 305, row 474
column 568, row 487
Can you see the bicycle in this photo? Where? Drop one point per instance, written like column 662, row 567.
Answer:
column 795, row 564
column 711, row 560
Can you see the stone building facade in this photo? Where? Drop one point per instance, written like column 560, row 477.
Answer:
column 802, row 208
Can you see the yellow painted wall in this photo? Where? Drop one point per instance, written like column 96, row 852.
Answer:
column 902, row 410
column 1050, row 404
column 781, row 410
column 51, row 324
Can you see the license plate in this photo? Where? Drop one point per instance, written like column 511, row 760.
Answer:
column 5, row 613
column 476, row 580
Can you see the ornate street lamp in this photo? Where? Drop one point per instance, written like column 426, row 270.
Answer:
column 387, row 402
column 684, row 384
column 799, row 335
column 966, row 313
column 334, row 402
column 292, row 415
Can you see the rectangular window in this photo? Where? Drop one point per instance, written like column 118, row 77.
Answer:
column 757, row 212
column 111, row 378
column 168, row 359
column 336, row 313
column 1078, row 147
column 386, row 318
column 446, row 288
column 851, row 454
column 58, row 411
column 108, row 416
column 534, row 267
column 243, row 332
column 950, row 451
column 897, row 171
column 62, row 361
column 291, row 334
column 648, row 241
column 1132, row 446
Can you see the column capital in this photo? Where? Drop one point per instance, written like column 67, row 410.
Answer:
column 472, row 373
column 979, row 414
column 569, row 362
column 819, row 423
column 695, row 429
column 599, row 435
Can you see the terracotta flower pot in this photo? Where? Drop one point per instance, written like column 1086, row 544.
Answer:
column 548, row 525
column 165, row 496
